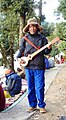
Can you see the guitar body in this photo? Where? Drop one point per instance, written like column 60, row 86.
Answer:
column 25, row 59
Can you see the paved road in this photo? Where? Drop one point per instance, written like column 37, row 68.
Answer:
column 19, row 111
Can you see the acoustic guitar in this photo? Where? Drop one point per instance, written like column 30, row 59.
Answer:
column 30, row 56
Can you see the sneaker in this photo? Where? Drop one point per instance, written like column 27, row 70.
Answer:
column 42, row 110
column 31, row 109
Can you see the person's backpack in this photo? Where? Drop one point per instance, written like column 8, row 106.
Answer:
column 13, row 82
column 10, row 84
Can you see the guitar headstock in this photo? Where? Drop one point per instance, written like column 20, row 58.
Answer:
column 55, row 40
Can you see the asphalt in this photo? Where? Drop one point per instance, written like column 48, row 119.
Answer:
column 19, row 111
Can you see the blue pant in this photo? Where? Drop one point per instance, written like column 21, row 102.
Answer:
column 36, row 84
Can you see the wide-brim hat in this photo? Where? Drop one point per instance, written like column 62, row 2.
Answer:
column 32, row 21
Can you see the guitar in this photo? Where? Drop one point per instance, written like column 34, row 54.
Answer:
column 30, row 56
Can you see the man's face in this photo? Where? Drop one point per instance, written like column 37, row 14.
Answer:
column 32, row 29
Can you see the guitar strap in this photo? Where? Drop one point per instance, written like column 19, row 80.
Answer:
column 30, row 42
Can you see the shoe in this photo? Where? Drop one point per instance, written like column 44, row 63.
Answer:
column 42, row 110
column 31, row 109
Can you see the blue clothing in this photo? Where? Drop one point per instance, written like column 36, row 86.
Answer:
column 17, row 84
column 36, row 84
column 47, row 66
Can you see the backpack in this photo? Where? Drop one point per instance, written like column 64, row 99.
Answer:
column 10, row 84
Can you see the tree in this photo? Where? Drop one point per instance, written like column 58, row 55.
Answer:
column 8, row 33
column 54, row 51
column 62, row 8
column 62, row 47
column 12, row 12
column 60, row 30
column 61, row 27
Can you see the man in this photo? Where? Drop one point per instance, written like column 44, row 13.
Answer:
column 35, row 69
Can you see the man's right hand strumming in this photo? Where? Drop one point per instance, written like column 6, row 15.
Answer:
column 21, row 61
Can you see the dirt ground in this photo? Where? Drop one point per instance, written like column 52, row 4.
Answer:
column 55, row 99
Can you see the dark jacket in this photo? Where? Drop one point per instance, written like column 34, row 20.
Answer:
column 17, row 83
column 2, row 99
column 38, row 40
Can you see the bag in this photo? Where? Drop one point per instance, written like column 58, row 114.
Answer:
column 10, row 84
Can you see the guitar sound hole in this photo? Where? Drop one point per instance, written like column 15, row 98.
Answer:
column 29, row 56
column 24, row 62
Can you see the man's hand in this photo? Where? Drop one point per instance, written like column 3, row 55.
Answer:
column 21, row 61
column 50, row 46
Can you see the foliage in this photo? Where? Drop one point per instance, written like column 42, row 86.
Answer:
column 51, row 28
column 48, row 28
column 62, row 8
column 62, row 47
column 54, row 51
column 10, row 13
column 60, row 30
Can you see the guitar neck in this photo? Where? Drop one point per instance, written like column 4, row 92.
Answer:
column 47, row 45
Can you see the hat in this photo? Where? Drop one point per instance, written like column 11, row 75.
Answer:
column 7, row 71
column 32, row 21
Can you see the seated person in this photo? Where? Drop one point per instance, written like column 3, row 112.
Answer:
column 13, row 82
column 51, row 62
column 2, row 99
